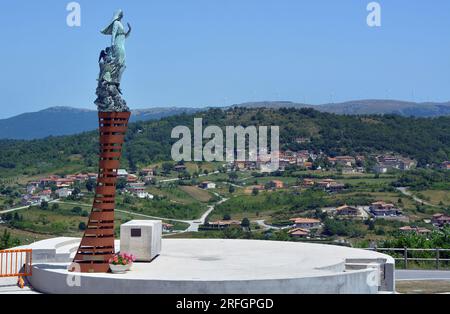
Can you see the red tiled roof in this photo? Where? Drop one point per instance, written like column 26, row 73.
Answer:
column 299, row 232
column 304, row 220
column 416, row 229
column 345, row 207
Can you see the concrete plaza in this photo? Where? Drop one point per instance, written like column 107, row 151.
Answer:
column 188, row 266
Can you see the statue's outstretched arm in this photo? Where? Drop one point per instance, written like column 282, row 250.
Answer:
column 129, row 30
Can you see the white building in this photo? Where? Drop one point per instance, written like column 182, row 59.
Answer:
column 306, row 223
column 44, row 198
column 122, row 173
column 207, row 185
column 143, row 195
column 31, row 189
column 380, row 169
column 64, row 192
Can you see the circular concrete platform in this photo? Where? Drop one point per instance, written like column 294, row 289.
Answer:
column 229, row 267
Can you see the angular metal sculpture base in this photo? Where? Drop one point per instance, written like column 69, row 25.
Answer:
column 97, row 245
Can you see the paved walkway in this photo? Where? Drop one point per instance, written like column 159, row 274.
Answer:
column 9, row 286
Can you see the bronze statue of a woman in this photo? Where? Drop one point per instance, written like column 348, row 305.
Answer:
column 118, row 36
column 112, row 66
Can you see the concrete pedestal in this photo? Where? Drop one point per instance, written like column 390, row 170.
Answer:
column 142, row 238
column 216, row 266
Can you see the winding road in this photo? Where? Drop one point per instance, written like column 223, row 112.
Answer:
column 193, row 224
column 405, row 191
column 262, row 224
column 23, row 207
column 421, row 275
column 178, row 179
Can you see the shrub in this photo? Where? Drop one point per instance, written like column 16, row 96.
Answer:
column 82, row 226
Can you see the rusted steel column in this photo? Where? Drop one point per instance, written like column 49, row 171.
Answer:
column 97, row 245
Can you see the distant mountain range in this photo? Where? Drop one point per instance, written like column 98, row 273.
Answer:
column 366, row 107
column 57, row 121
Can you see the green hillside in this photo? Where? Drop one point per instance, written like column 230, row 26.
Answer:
column 427, row 140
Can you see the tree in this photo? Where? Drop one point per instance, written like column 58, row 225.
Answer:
column 371, row 224
column 226, row 217
column 44, row 205
column 55, row 206
column 7, row 217
column 341, row 228
column 185, row 175
column 77, row 210
column 281, row 235
column 231, row 189
column 5, row 240
column 421, row 209
column 245, row 223
column 232, row 177
column 10, row 202
column 128, row 199
column 53, row 187
column 17, row 217
column 321, row 215
column 82, row 226
column 270, row 185
column 121, row 183
column 90, row 185
column 167, row 167
column 255, row 192
column 43, row 220
column 76, row 191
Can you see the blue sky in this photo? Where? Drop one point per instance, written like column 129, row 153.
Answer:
column 222, row 52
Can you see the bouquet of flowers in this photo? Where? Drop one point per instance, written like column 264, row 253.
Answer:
column 122, row 259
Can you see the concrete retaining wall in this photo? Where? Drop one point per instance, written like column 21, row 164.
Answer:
column 54, row 282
